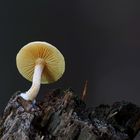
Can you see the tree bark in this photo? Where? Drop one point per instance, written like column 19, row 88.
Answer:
column 63, row 116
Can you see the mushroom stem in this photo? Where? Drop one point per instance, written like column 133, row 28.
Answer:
column 34, row 89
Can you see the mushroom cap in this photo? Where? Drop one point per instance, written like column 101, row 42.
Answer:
column 53, row 61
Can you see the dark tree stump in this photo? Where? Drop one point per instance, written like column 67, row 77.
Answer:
column 63, row 116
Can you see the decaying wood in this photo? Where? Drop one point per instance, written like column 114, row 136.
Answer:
column 63, row 116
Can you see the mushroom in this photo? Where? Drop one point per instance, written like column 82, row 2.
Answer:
column 41, row 63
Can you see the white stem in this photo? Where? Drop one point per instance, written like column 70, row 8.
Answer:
column 34, row 89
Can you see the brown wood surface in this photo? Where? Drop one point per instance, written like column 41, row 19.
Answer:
column 63, row 116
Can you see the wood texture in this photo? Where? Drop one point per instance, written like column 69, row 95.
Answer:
column 63, row 116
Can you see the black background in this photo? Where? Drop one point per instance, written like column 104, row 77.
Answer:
column 100, row 40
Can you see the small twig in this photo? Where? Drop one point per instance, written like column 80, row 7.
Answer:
column 111, row 115
column 84, row 94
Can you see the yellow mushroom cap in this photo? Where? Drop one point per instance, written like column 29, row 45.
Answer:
column 53, row 61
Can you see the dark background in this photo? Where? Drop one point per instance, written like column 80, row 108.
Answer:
column 100, row 40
